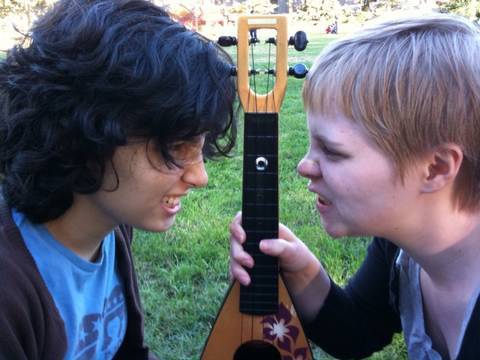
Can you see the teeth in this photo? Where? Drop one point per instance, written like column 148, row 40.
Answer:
column 171, row 201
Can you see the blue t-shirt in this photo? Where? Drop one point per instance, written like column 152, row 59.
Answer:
column 88, row 295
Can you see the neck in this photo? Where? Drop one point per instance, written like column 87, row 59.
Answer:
column 447, row 247
column 81, row 228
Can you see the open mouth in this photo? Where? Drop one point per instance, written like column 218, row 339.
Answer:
column 171, row 202
column 324, row 201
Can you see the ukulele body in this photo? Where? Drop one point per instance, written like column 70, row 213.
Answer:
column 240, row 336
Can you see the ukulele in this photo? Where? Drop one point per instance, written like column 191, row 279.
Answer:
column 259, row 321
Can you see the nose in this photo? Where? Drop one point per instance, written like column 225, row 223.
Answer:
column 196, row 175
column 309, row 168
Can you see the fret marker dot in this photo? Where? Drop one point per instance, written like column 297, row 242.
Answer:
column 261, row 163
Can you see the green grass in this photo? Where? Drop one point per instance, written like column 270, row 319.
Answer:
column 184, row 272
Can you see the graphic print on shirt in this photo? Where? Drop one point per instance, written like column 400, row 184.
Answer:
column 102, row 334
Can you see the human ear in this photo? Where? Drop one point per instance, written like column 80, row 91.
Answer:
column 442, row 167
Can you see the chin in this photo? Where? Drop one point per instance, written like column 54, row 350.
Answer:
column 343, row 233
column 337, row 235
column 160, row 226
column 336, row 231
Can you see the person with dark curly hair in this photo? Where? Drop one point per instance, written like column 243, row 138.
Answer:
column 107, row 111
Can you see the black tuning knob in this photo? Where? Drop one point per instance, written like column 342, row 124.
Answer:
column 227, row 41
column 299, row 41
column 271, row 40
column 298, row 71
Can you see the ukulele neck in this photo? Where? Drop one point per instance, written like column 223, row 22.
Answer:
column 260, row 211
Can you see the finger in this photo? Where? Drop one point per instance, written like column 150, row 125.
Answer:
column 236, row 229
column 240, row 256
column 238, row 216
column 285, row 233
column 276, row 247
column 239, row 273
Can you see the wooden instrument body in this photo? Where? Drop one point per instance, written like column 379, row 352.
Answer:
column 232, row 329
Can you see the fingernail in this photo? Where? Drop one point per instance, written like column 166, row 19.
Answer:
column 244, row 280
column 239, row 237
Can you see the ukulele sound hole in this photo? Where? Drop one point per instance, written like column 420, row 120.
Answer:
column 257, row 350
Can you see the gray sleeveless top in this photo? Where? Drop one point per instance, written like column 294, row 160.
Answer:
column 419, row 343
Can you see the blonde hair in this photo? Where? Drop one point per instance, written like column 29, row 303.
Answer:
column 413, row 84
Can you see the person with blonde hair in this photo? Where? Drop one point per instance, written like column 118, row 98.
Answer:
column 394, row 122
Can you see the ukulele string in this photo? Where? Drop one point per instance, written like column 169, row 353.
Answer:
column 255, row 151
column 273, row 92
column 252, row 43
column 268, row 75
column 249, row 91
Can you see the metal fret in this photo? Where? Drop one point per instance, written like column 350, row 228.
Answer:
column 257, row 173
column 260, row 204
column 262, row 154
column 260, row 137
column 259, row 189
column 267, row 286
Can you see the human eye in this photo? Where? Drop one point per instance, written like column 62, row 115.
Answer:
column 332, row 154
column 328, row 151
column 186, row 153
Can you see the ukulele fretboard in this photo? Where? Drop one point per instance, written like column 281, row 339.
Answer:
column 260, row 210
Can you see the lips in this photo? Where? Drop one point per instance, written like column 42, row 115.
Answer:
column 323, row 201
column 171, row 202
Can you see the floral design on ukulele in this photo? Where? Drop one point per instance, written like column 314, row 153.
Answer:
column 279, row 330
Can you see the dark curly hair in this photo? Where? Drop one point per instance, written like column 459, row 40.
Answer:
column 90, row 75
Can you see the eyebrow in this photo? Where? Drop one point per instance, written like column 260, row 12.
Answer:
column 328, row 142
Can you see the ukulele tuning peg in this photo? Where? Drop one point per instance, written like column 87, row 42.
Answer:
column 271, row 41
column 299, row 41
column 299, row 71
column 233, row 71
column 227, row 41
column 271, row 72
column 253, row 72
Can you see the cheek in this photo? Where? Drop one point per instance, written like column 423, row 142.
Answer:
column 359, row 186
column 151, row 186
column 342, row 179
column 372, row 203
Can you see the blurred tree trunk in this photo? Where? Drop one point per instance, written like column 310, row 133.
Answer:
column 365, row 5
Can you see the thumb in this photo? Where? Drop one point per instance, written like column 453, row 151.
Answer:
column 275, row 247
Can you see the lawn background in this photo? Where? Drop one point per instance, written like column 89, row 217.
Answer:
column 184, row 272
